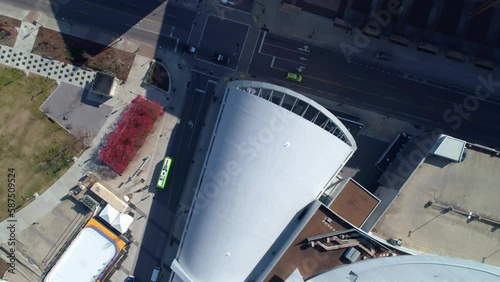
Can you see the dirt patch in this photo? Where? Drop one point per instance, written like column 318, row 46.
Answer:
column 3, row 267
column 83, row 53
column 38, row 150
column 8, row 31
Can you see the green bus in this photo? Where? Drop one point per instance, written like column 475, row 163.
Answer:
column 162, row 180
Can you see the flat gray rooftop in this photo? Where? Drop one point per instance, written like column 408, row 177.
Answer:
column 469, row 186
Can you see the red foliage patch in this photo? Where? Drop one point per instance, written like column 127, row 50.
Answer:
column 130, row 134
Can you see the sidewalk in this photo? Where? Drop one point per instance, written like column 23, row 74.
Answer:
column 320, row 31
column 155, row 148
column 125, row 93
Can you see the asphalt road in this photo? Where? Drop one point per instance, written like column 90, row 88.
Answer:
column 222, row 36
column 371, row 86
column 184, row 145
column 150, row 22
column 182, row 149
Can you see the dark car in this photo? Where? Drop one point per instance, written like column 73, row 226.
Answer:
column 130, row 278
column 218, row 57
column 383, row 56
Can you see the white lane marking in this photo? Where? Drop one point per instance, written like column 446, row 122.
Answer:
column 203, row 32
column 254, row 47
column 241, row 48
column 302, row 53
column 284, row 59
column 262, row 42
column 229, row 20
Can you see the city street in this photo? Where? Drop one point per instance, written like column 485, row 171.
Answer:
column 181, row 149
column 151, row 22
column 373, row 87
column 168, row 26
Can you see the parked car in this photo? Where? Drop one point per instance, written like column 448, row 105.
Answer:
column 130, row 278
column 155, row 274
column 218, row 57
column 294, row 77
column 190, row 49
column 383, row 56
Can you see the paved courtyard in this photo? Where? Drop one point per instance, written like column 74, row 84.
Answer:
column 73, row 108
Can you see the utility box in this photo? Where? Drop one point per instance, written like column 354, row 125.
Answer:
column 351, row 254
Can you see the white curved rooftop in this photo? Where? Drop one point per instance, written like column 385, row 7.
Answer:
column 412, row 269
column 265, row 163
column 85, row 259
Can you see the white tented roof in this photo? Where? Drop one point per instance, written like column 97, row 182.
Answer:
column 449, row 147
column 411, row 269
column 122, row 222
column 85, row 259
column 264, row 165
column 109, row 214
column 119, row 221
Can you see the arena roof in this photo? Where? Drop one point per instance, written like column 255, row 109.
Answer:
column 87, row 256
column 273, row 151
column 411, row 269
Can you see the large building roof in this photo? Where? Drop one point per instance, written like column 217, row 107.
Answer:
column 411, row 269
column 87, row 256
column 273, row 151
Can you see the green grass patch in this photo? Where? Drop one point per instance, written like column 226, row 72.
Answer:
column 39, row 150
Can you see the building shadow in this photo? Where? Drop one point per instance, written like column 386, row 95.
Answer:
column 437, row 161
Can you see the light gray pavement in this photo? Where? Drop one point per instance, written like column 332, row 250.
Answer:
column 75, row 109
column 38, row 244
column 303, row 24
column 26, row 37
column 45, row 67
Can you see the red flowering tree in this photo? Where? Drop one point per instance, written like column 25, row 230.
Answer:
column 130, row 134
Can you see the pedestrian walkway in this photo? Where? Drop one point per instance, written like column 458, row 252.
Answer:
column 26, row 37
column 46, row 67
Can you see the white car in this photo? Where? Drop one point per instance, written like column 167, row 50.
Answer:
column 190, row 49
